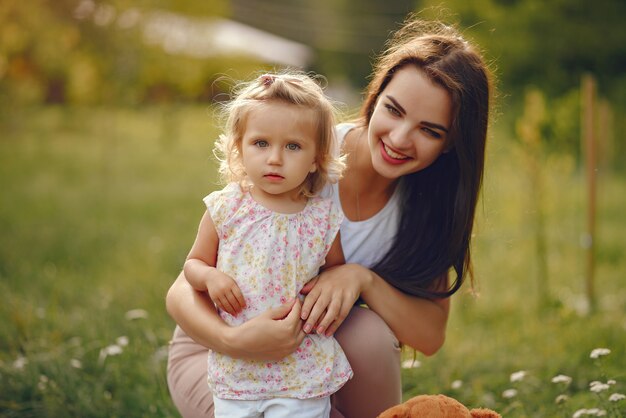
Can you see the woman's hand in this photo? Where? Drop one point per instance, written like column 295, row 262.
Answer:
column 330, row 296
column 271, row 336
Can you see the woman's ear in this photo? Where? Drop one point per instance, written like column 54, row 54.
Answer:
column 313, row 168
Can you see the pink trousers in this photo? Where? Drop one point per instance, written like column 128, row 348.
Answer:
column 371, row 347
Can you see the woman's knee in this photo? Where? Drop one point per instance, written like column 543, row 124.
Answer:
column 365, row 337
column 187, row 377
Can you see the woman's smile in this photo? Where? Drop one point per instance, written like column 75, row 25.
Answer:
column 392, row 156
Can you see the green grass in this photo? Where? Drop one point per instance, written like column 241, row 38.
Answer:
column 99, row 208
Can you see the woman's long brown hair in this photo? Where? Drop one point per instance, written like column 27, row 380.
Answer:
column 439, row 202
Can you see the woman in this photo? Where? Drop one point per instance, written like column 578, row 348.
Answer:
column 415, row 166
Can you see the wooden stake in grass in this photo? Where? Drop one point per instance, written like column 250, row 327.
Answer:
column 529, row 131
column 588, row 89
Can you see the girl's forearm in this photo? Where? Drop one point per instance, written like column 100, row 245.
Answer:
column 417, row 322
column 195, row 313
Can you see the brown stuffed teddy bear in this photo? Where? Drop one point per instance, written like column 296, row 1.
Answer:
column 435, row 406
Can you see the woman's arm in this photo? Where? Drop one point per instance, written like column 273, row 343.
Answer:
column 417, row 322
column 269, row 336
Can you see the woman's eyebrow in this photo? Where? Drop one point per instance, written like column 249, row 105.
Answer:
column 396, row 104
column 429, row 124
column 435, row 126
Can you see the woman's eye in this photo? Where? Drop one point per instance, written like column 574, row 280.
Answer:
column 261, row 143
column 431, row 133
column 293, row 147
column 392, row 110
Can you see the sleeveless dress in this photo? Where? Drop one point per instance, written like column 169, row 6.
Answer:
column 272, row 256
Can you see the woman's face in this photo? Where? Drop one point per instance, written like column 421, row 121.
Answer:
column 409, row 127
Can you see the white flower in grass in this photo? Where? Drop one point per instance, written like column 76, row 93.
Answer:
column 611, row 382
column 616, row 397
column 591, row 411
column 75, row 363
column 599, row 352
column 136, row 314
column 122, row 341
column 597, row 387
column 111, row 350
column 456, row 384
column 562, row 379
column 518, row 376
column 20, row 362
column 411, row 364
column 43, row 382
column 561, row 399
column 509, row 393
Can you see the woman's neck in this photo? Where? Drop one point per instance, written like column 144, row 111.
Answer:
column 363, row 191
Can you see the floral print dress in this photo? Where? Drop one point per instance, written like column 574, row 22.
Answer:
column 272, row 256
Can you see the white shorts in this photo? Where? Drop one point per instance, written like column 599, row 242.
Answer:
column 272, row 408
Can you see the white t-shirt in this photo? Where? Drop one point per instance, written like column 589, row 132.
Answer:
column 366, row 242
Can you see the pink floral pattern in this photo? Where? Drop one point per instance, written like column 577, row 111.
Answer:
column 272, row 256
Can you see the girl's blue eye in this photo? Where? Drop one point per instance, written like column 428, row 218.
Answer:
column 261, row 143
column 293, row 147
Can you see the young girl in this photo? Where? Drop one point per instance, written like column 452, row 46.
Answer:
column 265, row 235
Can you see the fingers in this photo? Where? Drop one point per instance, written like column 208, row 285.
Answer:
column 309, row 302
column 309, row 286
column 341, row 316
column 296, row 308
column 224, row 304
column 329, row 317
column 316, row 314
column 281, row 311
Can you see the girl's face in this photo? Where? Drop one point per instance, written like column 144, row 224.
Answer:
column 409, row 127
column 279, row 148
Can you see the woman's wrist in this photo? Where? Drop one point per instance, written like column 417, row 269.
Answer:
column 366, row 279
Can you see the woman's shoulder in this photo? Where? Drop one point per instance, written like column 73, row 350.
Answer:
column 342, row 129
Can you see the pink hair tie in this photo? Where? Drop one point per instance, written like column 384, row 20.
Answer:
column 267, row 79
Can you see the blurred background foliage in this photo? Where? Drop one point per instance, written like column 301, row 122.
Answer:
column 88, row 52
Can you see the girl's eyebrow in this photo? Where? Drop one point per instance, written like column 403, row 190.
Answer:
column 429, row 124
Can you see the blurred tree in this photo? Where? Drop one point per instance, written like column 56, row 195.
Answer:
column 549, row 44
column 346, row 34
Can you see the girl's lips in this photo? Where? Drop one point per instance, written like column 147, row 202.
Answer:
column 273, row 177
column 389, row 158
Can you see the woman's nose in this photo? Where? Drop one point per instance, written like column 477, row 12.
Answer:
column 400, row 136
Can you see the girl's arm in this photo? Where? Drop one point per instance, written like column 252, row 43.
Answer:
column 269, row 336
column 417, row 322
column 202, row 275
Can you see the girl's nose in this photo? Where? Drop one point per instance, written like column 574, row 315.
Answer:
column 275, row 157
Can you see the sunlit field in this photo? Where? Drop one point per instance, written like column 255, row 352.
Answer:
column 99, row 208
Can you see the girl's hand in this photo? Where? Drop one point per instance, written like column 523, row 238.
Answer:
column 225, row 293
column 272, row 335
column 330, row 296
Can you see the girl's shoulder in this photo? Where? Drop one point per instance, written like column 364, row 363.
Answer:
column 222, row 203
column 325, row 207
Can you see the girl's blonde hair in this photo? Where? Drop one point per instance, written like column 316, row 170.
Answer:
column 295, row 88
